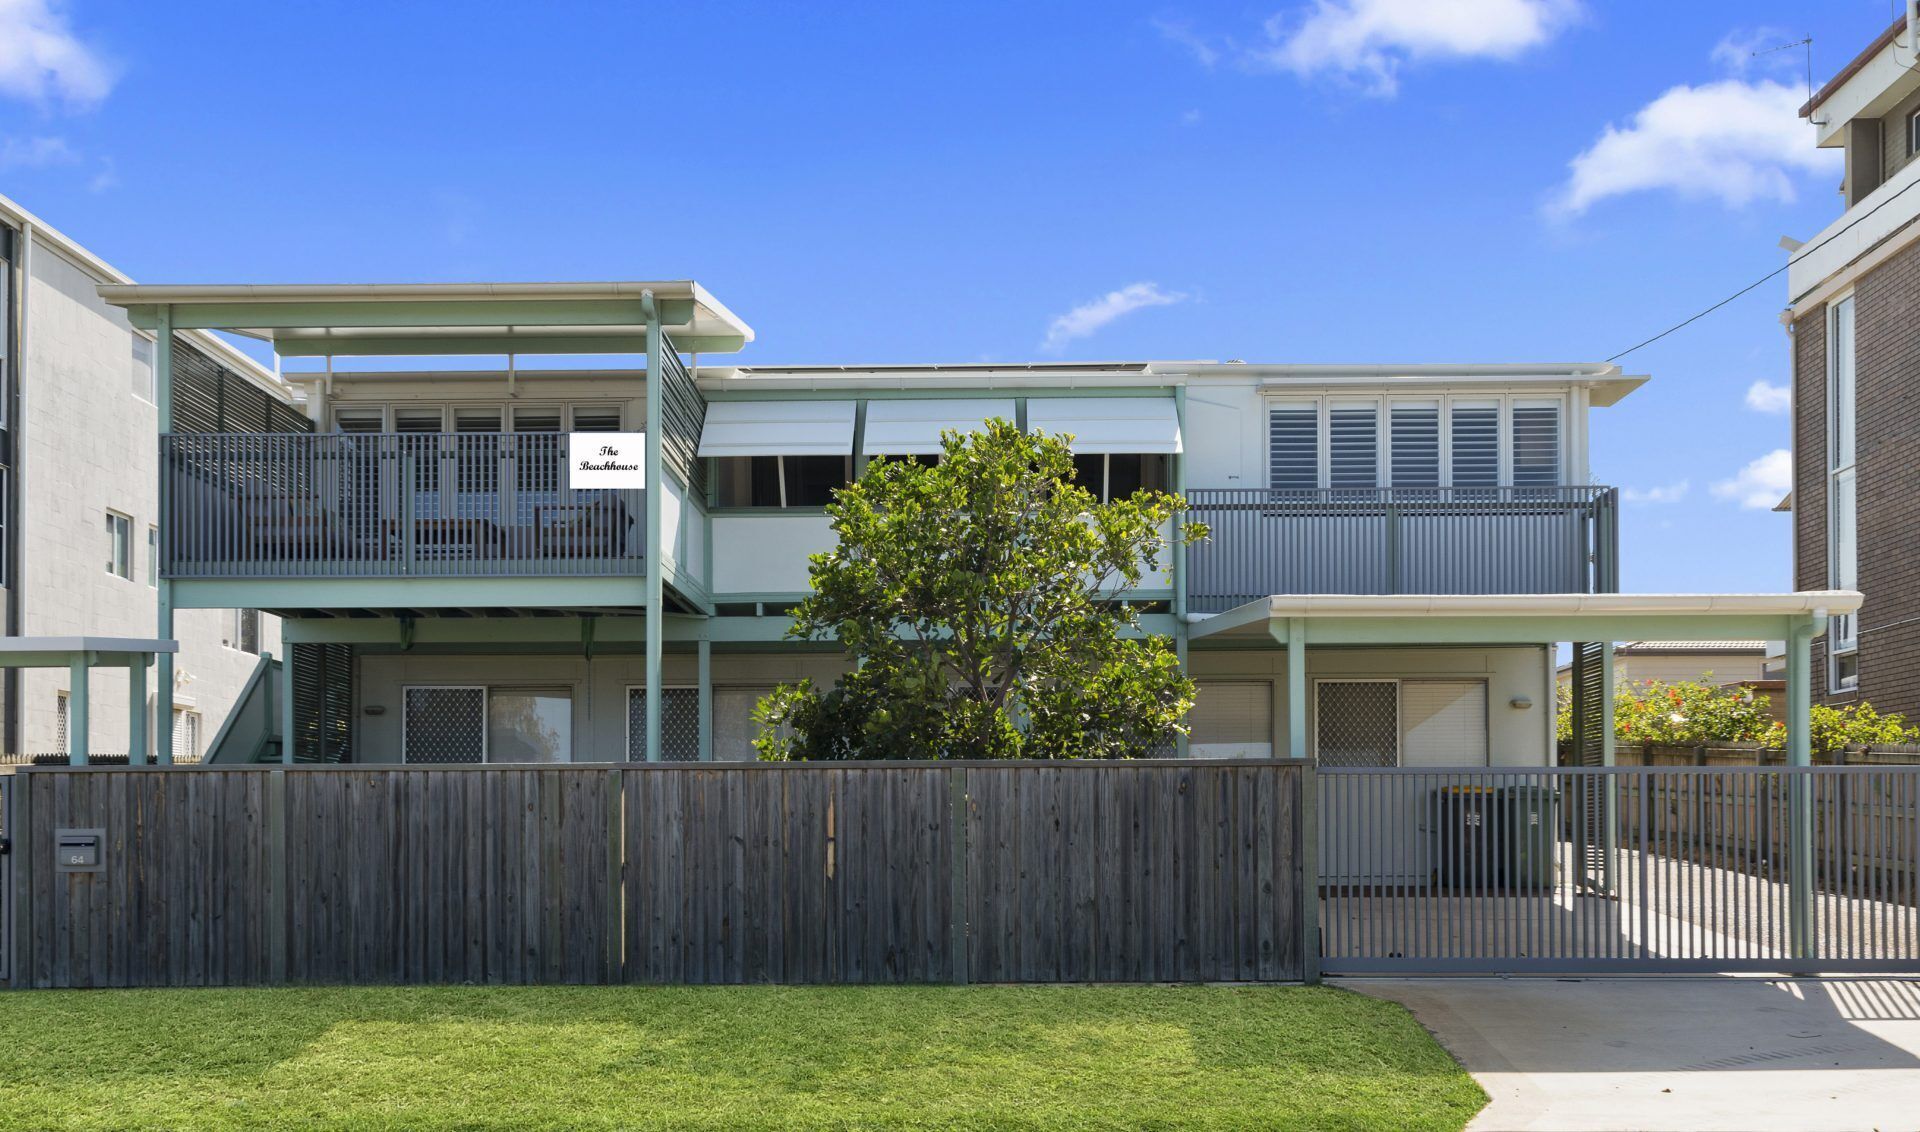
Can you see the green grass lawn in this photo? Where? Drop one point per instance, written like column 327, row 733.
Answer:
column 725, row 1057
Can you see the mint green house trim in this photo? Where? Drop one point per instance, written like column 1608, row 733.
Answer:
column 80, row 656
column 655, row 594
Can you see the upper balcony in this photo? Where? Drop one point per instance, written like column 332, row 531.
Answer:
column 1402, row 540
column 390, row 505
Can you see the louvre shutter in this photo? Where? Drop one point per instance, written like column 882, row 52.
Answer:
column 1476, row 445
column 1536, row 445
column 1293, row 447
column 1416, row 444
column 1353, row 445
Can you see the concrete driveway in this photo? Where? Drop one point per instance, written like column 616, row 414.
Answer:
column 1678, row 1053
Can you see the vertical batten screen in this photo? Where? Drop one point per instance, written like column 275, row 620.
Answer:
column 1293, row 447
column 1415, row 443
column 1536, row 444
column 1476, row 444
column 1357, row 722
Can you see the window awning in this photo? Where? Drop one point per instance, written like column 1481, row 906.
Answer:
column 912, row 427
column 1109, row 424
column 778, row 428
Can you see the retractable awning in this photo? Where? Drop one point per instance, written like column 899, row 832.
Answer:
column 778, row 428
column 1108, row 424
column 912, row 427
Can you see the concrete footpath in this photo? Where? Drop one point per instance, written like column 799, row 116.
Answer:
column 1685, row 1054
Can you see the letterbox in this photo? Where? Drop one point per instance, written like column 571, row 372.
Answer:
column 79, row 850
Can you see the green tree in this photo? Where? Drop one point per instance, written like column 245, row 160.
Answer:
column 979, row 600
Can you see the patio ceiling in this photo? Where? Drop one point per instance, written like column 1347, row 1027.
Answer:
column 1432, row 619
column 339, row 320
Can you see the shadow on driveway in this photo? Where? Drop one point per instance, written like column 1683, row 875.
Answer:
column 1678, row 1053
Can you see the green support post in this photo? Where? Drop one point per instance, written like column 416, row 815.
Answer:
column 163, row 667
column 1800, row 788
column 1178, row 567
column 1609, row 802
column 1296, row 688
column 286, row 706
column 137, row 711
column 705, row 648
column 79, row 698
column 655, row 596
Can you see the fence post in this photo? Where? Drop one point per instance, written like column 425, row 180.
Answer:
column 1800, row 789
column 277, row 876
column 959, row 963
column 1309, row 856
column 20, row 836
column 616, row 929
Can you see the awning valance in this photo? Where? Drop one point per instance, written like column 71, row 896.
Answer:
column 1108, row 424
column 778, row 428
column 912, row 427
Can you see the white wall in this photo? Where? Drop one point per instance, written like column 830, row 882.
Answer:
column 599, row 687
column 767, row 553
column 90, row 446
column 1515, row 736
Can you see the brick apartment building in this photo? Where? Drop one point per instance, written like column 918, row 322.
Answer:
column 1854, row 293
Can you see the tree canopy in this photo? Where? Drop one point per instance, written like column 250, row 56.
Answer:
column 980, row 600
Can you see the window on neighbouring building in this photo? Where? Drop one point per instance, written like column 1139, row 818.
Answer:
column 244, row 631
column 153, row 556
column 143, row 367
column 1116, row 475
column 186, row 735
column 119, row 545
column 781, row 481
column 1913, row 133
column 1843, row 553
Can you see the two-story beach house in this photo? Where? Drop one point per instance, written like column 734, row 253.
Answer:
column 529, row 565
column 1854, row 300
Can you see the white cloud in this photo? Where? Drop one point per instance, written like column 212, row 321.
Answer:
column 1181, row 34
column 1666, row 493
column 105, row 177
column 1763, row 397
column 1732, row 141
column 1089, row 317
column 36, row 153
column 1760, row 485
column 41, row 59
column 1368, row 41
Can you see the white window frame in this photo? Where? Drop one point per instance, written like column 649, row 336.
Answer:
column 627, row 698
column 153, row 555
column 124, row 550
column 1502, row 402
column 148, row 392
column 1399, row 730
column 486, row 696
column 1843, row 629
column 1913, row 133
column 188, row 722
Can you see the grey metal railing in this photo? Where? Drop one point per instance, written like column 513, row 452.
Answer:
column 1595, row 869
column 245, row 505
column 1437, row 540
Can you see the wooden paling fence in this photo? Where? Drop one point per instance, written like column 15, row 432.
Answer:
column 795, row 873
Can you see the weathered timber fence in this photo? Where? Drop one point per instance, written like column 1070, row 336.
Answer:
column 796, row 873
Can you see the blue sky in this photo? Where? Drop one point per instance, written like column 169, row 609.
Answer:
column 1331, row 181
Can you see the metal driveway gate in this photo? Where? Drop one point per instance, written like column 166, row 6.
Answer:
column 1619, row 869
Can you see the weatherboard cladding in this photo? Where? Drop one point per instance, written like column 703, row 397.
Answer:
column 1887, row 446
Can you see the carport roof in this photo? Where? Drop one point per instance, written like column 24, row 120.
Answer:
column 1416, row 619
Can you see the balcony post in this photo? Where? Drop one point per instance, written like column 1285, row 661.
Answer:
column 1178, row 567
column 163, row 662
column 655, row 596
column 1800, row 787
column 137, row 710
column 79, row 699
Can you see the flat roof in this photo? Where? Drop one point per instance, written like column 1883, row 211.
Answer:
column 1606, row 382
column 1854, row 67
column 1414, row 619
column 329, row 319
